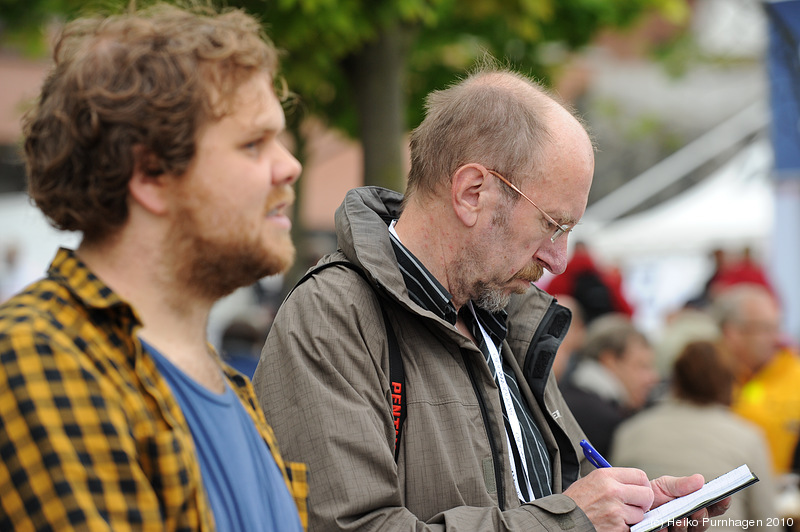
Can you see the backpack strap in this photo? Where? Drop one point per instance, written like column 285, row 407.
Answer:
column 397, row 374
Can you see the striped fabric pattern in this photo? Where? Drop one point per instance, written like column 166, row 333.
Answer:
column 425, row 290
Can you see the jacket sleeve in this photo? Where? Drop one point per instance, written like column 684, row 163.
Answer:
column 322, row 383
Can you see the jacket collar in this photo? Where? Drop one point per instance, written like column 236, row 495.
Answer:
column 362, row 223
column 423, row 288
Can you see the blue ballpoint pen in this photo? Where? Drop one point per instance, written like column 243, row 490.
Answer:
column 595, row 458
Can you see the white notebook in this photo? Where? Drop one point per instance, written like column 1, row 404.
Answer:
column 713, row 491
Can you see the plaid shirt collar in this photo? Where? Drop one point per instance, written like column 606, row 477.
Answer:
column 68, row 269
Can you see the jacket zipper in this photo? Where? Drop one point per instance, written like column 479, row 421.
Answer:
column 498, row 471
column 536, row 367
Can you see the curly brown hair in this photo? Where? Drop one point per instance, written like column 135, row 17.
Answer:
column 127, row 90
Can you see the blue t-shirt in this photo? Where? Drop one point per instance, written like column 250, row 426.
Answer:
column 245, row 488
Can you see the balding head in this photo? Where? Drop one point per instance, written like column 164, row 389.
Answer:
column 494, row 117
column 749, row 318
column 485, row 143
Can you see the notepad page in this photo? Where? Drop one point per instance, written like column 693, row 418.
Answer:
column 673, row 509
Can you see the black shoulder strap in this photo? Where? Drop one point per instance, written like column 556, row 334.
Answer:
column 397, row 374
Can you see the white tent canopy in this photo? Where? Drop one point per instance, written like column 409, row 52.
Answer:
column 730, row 209
column 663, row 253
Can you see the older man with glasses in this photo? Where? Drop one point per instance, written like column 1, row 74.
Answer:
column 468, row 431
column 767, row 369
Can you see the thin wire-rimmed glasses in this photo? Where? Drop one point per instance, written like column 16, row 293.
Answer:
column 561, row 229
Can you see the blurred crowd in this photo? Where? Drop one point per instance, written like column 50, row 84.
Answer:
column 720, row 361
column 715, row 388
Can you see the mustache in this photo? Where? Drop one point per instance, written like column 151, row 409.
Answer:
column 531, row 273
column 284, row 194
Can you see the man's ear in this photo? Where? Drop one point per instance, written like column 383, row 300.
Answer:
column 467, row 187
column 149, row 184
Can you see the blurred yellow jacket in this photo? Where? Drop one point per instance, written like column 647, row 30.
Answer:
column 771, row 400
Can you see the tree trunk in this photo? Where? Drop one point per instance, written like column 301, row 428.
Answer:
column 377, row 78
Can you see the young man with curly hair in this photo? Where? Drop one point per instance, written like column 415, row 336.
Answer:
column 156, row 135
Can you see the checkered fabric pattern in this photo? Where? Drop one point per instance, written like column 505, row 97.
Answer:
column 91, row 437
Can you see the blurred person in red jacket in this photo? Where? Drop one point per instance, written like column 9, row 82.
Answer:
column 743, row 271
column 598, row 291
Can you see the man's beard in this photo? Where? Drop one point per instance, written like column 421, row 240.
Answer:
column 494, row 298
column 214, row 266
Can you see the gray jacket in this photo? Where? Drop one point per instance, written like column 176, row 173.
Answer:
column 323, row 381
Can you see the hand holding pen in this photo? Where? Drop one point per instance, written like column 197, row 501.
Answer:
column 605, row 514
column 613, row 498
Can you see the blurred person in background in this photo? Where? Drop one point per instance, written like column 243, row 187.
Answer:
column 597, row 290
column 568, row 352
column 742, row 270
column 682, row 327
column 767, row 371
column 156, row 135
column 730, row 269
column 14, row 275
column 9, row 271
column 694, row 430
column 719, row 260
column 613, row 378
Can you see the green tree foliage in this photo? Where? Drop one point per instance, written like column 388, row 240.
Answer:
column 23, row 23
column 365, row 66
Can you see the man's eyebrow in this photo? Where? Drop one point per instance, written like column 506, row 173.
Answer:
column 264, row 128
column 265, row 122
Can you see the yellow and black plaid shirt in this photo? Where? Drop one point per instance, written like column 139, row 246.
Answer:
column 91, row 436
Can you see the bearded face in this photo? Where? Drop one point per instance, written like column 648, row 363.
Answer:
column 483, row 274
column 494, row 296
column 216, row 256
column 229, row 223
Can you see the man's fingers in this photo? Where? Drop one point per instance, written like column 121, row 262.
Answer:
column 627, row 475
column 638, row 496
column 667, row 488
column 613, row 498
column 719, row 508
column 680, row 525
column 633, row 487
column 631, row 514
column 699, row 520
